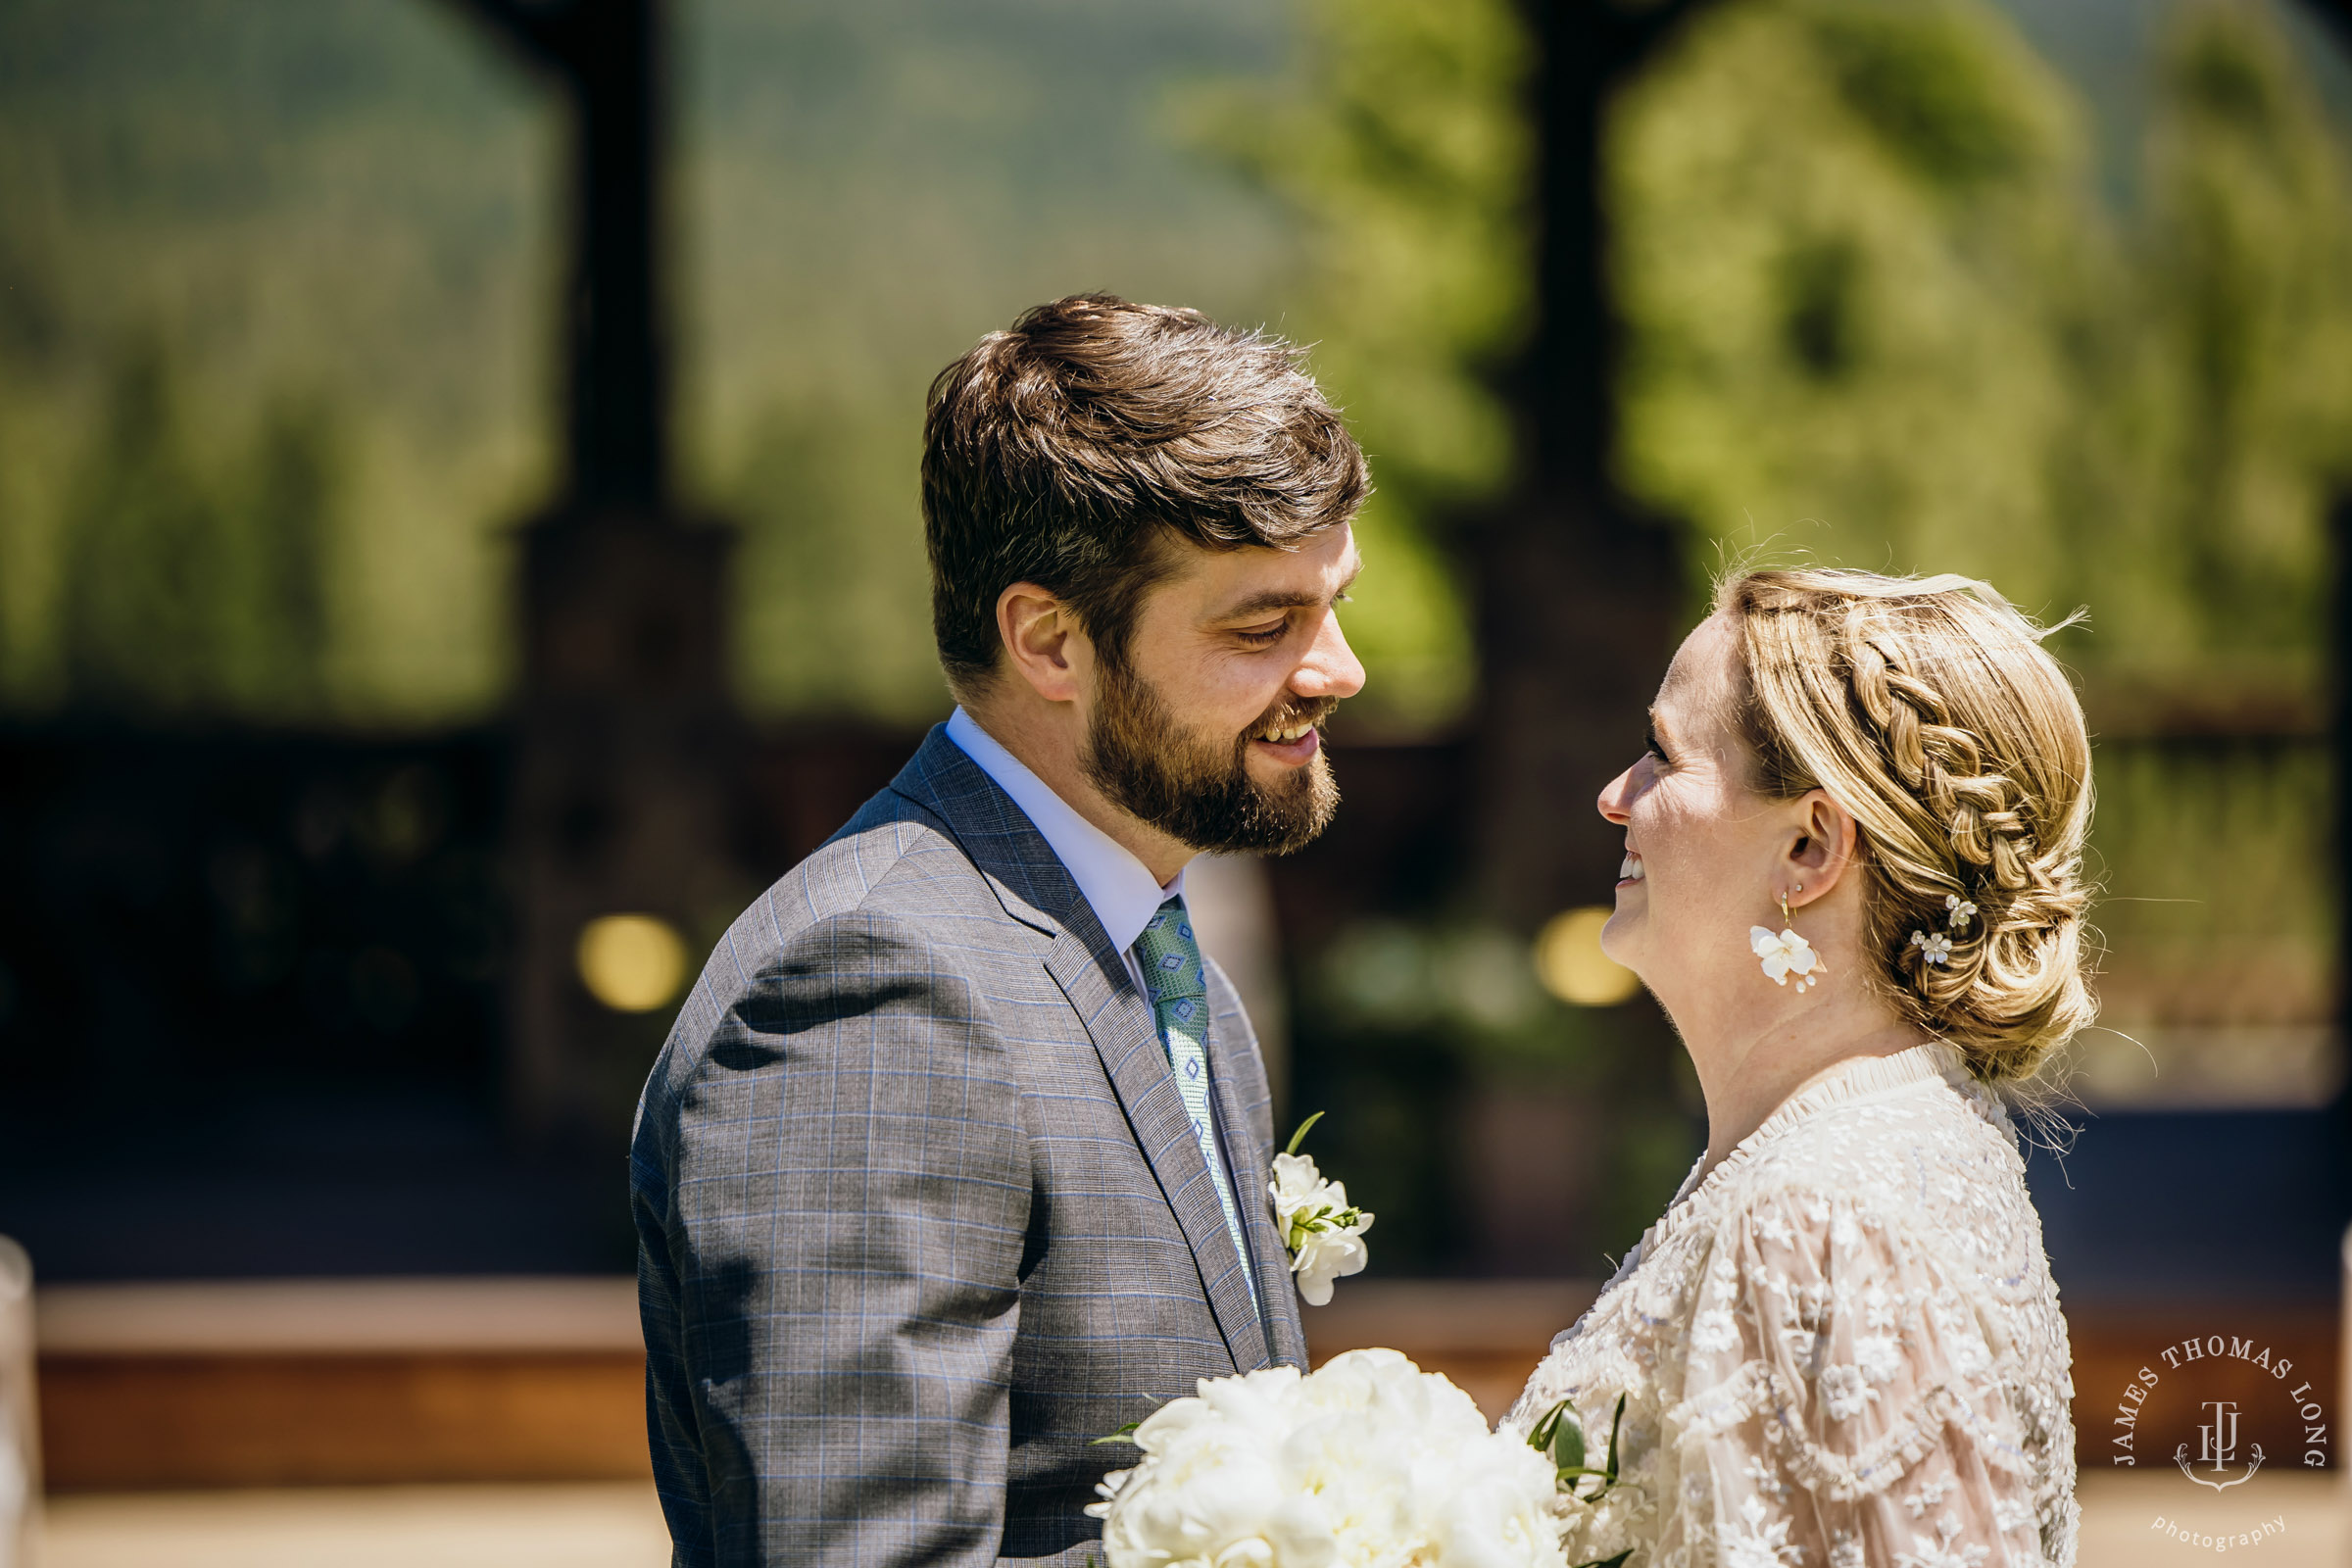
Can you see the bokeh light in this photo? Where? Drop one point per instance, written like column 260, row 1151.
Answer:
column 632, row 962
column 1570, row 963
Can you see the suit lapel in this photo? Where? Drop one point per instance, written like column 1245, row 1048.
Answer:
column 1127, row 1040
column 1006, row 849
column 1252, row 1171
column 1035, row 889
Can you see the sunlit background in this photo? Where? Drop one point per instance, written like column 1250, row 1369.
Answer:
column 323, row 957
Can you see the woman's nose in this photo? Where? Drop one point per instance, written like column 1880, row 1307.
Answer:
column 1617, row 797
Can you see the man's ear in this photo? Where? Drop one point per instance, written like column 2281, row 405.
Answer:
column 1043, row 641
column 1822, row 850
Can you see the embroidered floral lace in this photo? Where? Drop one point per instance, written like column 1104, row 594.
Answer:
column 1840, row 1349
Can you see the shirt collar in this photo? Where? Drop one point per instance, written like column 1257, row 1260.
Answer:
column 1117, row 886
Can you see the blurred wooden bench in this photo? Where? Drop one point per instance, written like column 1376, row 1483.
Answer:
column 273, row 1383
column 276, row 1383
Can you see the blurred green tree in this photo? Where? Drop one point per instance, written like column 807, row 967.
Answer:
column 1401, row 151
column 143, row 569
column 832, row 582
column 1877, row 313
column 2249, row 262
column 1854, row 249
column 290, row 496
column 189, row 593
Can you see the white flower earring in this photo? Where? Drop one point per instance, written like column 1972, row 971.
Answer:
column 1787, row 954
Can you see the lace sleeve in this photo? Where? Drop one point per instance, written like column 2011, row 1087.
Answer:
column 1841, row 1406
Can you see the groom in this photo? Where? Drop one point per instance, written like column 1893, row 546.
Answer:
column 956, row 1159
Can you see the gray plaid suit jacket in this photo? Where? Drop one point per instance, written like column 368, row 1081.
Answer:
column 920, row 1212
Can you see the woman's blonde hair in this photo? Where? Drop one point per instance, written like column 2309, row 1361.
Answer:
column 1927, row 708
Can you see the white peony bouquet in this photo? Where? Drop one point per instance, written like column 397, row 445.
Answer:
column 1321, row 1230
column 1367, row 1462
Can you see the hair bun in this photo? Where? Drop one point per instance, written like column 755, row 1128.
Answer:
column 1928, row 709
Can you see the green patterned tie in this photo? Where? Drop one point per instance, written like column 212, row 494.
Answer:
column 1171, row 964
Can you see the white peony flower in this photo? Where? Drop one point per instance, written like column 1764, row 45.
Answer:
column 1322, row 1232
column 1786, row 955
column 1367, row 1462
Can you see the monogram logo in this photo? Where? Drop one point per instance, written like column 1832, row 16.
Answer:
column 2217, row 1447
column 2233, row 1394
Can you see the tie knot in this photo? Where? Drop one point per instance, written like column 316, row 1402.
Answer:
column 1170, row 957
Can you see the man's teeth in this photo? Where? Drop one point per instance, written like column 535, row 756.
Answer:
column 1286, row 734
column 1631, row 870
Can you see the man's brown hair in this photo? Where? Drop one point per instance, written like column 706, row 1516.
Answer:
column 1062, row 451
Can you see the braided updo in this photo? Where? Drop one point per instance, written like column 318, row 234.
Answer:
column 1927, row 708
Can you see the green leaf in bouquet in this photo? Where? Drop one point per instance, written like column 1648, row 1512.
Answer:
column 1617, row 1561
column 1299, row 1137
column 1561, row 1437
column 1547, row 1424
column 1125, row 1434
column 1568, row 1443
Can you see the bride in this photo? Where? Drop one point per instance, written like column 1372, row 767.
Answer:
column 1852, row 877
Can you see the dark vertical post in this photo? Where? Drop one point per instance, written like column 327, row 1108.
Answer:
column 618, row 375
column 1579, row 595
column 625, row 735
column 1578, row 591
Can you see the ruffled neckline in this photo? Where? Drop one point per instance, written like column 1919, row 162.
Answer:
column 1866, row 1078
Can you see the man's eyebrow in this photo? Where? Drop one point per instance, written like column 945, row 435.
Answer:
column 1273, row 598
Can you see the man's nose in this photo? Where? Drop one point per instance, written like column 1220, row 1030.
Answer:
column 1330, row 668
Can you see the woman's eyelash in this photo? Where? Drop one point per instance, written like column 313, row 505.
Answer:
column 1657, row 747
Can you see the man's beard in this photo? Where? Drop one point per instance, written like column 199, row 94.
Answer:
column 1198, row 790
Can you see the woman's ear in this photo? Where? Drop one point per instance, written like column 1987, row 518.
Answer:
column 1822, row 848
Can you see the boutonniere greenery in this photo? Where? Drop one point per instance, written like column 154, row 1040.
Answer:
column 1322, row 1230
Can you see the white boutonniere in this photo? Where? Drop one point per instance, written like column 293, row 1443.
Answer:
column 1323, row 1233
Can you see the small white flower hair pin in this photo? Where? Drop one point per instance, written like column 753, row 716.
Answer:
column 1937, row 946
column 1963, row 911
column 1786, row 955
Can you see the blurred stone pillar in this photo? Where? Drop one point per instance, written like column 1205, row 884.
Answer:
column 626, row 746
column 627, row 751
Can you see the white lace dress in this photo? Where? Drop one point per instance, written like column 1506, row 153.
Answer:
column 1840, row 1350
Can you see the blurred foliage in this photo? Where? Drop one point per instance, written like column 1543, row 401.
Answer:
column 1398, row 147
column 314, row 239
column 184, row 594
column 1879, row 307
column 269, row 345
column 1493, row 1128
column 866, row 189
column 2219, row 912
column 1880, row 314
column 1883, row 311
